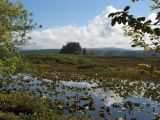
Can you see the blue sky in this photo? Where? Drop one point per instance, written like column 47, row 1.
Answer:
column 83, row 21
column 52, row 13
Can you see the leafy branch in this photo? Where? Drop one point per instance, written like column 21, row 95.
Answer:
column 139, row 29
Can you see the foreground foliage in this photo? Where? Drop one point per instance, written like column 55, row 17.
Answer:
column 19, row 107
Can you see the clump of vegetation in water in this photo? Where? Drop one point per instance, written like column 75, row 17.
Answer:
column 16, row 106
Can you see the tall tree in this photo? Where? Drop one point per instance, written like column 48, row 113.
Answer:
column 15, row 24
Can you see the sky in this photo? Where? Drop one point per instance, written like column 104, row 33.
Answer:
column 83, row 21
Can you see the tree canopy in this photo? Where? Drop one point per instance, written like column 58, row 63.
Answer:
column 15, row 24
column 71, row 48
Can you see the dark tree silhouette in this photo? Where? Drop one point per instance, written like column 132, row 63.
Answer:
column 71, row 48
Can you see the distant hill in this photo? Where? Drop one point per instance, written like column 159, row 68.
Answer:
column 49, row 51
column 122, row 52
column 111, row 52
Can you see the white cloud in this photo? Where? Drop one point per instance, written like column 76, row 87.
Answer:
column 98, row 33
column 152, row 17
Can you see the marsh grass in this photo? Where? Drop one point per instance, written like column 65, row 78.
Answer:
column 92, row 66
column 119, row 67
column 19, row 107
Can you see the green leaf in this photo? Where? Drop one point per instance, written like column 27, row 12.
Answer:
column 126, row 8
column 148, row 22
column 157, row 31
column 111, row 14
column 141, row 19
column 133, row 45
column 113, row 22
column 148, row 29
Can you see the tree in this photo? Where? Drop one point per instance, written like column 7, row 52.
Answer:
column 139, row 29
column 15, row 24
column 71, row 48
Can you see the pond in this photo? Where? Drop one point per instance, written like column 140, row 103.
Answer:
column 112, row 99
